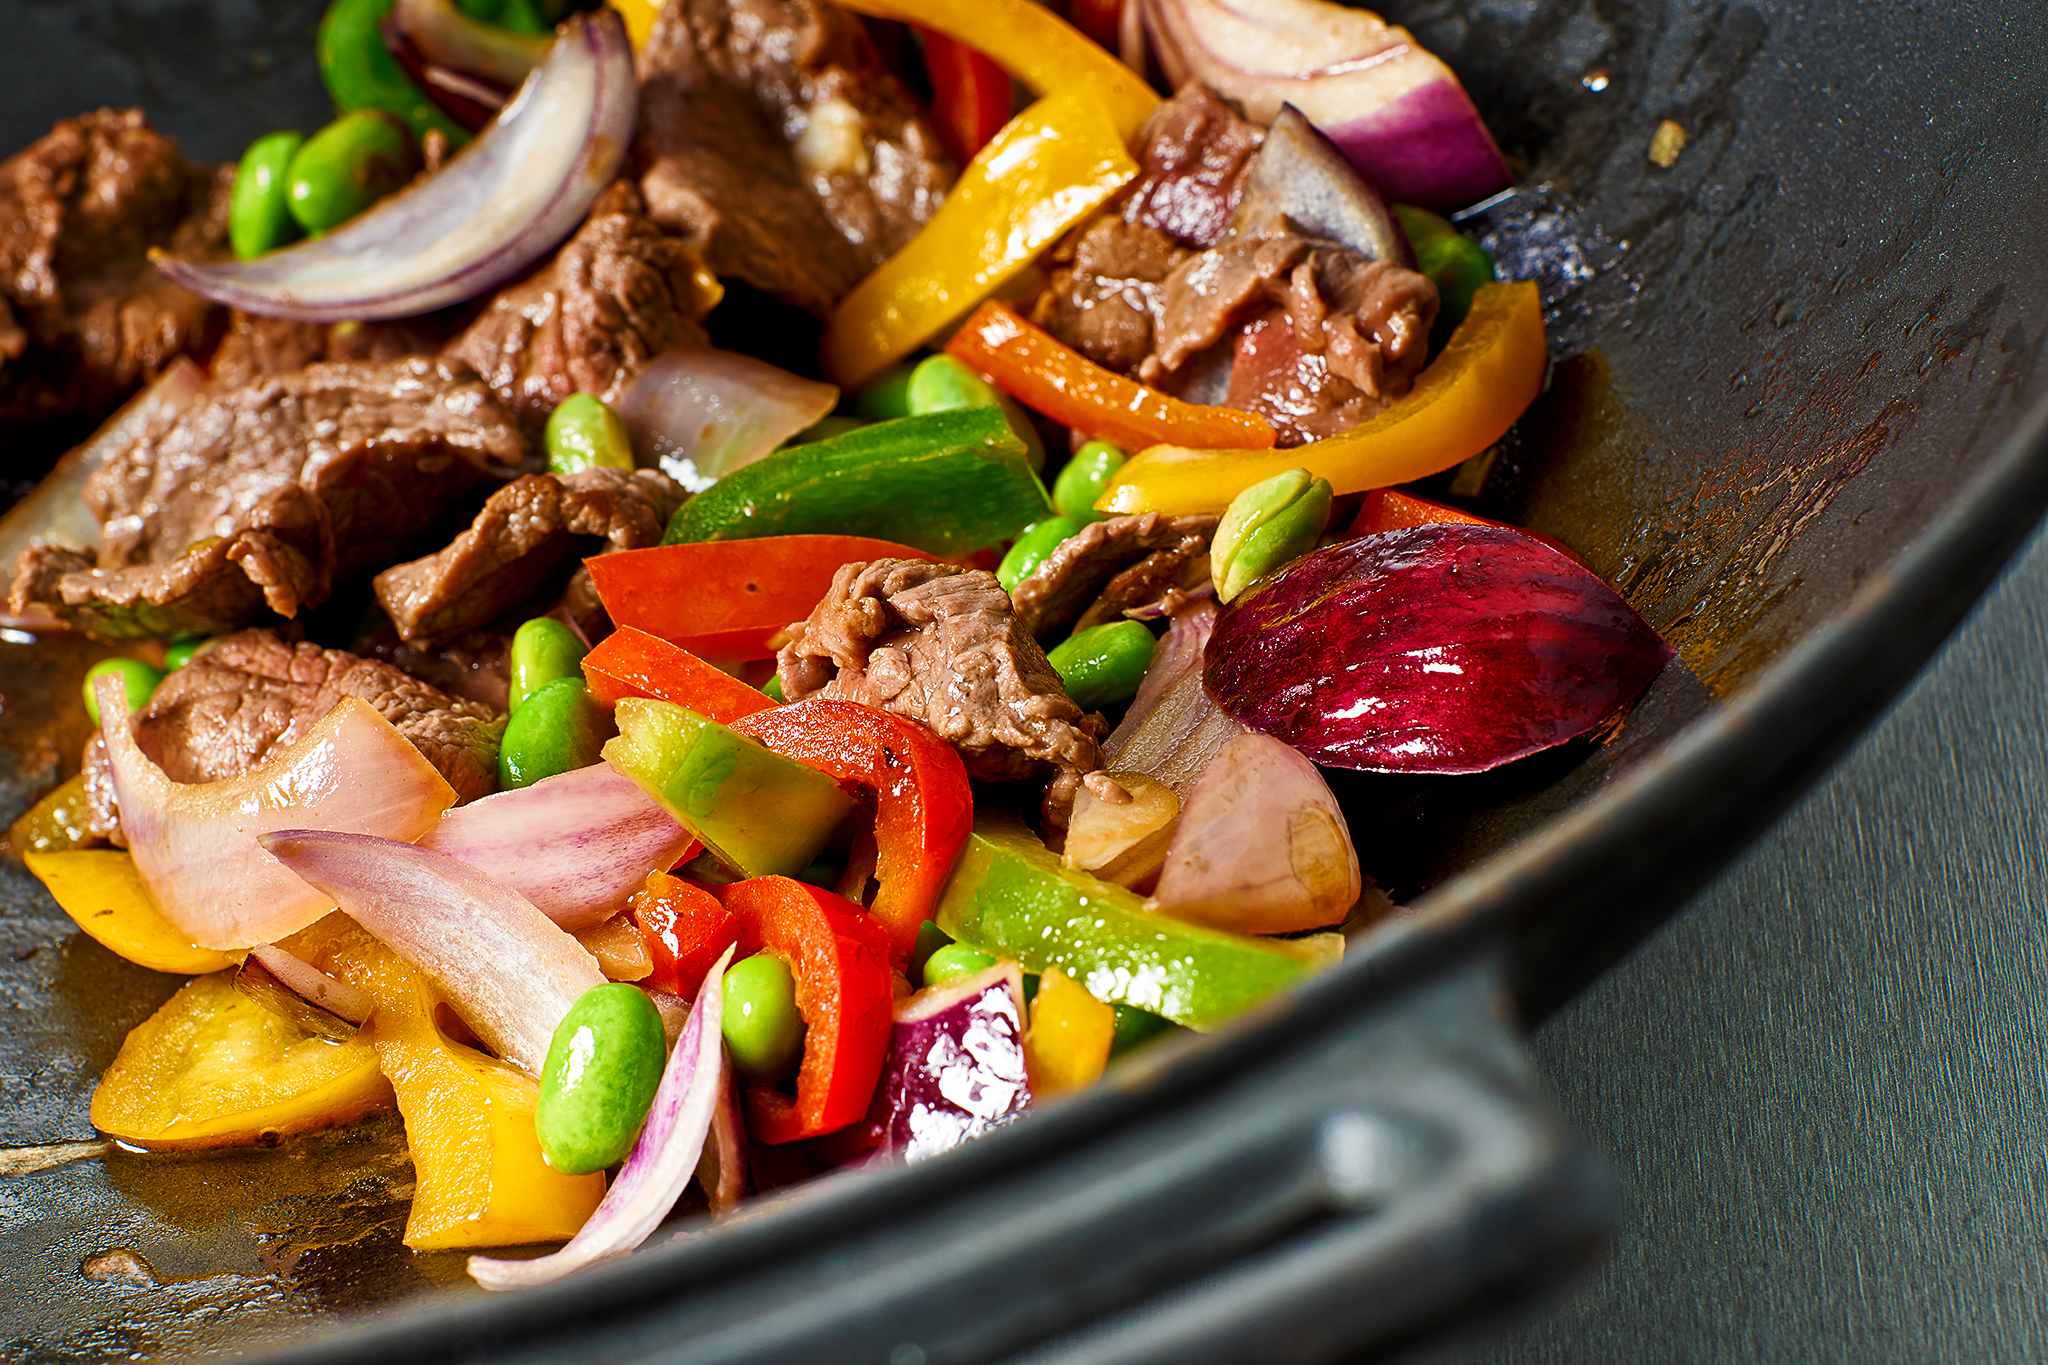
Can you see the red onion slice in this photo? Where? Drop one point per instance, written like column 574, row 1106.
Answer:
column 956, row 1064
column 499, row 206
column 445, row 36
column 703, row 413
column 312, row 985
column 722, row 1171
column 661, row 1163
column 509, row 970
column 1174, row 727
column 195, row 844
column 576, row 844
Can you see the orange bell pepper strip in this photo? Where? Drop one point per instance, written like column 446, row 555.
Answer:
column 924, row 808
column 686, row 928
column 1465, row 401
column 840, row 959
column 970, row 94
column 1046, row 375
column 723, row 600
column 1049, row 168
column 1033, row 44
column 631, row 663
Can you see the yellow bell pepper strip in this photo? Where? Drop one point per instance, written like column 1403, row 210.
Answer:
column 1047, row 376
column 1033, row 44
column 1465, row 401
column 213, row 1068
column 101, row 890
column 639, row 16
column 1050, row 167
column 1067, row 1045
column 56, row 824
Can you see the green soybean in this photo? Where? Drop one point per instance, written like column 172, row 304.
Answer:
column 583, row 433
column 1103, row 665
column 1082, row 481
column 942, row 384
column 953, row 961
column 558, row 728
column 603, row 1067
column 1455, row 263
column 521, row 16
column 887, row 396
column 763, row 1030
column 360, row 72
column 543, row 651
column 348, row 166
column 1038, row 540
column 1135, row 1026
column 138, row 679
column 930, row 938
column 185, row 651
column 259, row 211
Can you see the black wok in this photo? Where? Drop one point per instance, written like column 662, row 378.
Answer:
column 1795, row 416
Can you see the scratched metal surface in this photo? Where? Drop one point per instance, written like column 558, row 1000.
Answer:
column 1824, row 1089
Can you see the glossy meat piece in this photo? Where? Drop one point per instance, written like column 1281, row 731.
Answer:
column 1112, row 566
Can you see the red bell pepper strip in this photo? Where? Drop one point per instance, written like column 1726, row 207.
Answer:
column 1046, row 375
column 924, row 808
column 1099, row 19
column 1384, row 509
column 632, row 663
column 686, row 928
column 970, row 94
column 723, row 600
column 840, row 959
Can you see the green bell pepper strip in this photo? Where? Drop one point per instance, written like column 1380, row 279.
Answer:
column 360, row 72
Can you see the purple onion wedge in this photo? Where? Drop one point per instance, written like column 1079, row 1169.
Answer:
column 1173, row 727
column 1447, row 648
column 502, row 203
column 701, row 413
column 955, row 1067
column 664, row 1157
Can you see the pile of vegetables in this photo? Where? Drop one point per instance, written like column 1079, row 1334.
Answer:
column 703, row 934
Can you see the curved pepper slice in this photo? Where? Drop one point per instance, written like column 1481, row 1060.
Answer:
column 924, row 808
column 632, row 663
column 1050, row 167
column 1045, row 375
column 970, row 94
column 686, row 928
column 1034, row 45
column 1464, row 402
column 840, row 959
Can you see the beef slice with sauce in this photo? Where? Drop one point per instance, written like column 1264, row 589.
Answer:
column 617, row 294
column 525, row 538
column 771, row 133
column 1114, row 566
column 84, row 317
column 228, row 710
column 263, row 494
column 257, row 346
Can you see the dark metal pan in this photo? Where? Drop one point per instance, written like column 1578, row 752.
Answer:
column 1795, row 416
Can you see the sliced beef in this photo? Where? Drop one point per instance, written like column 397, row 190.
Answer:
column 1113, row 566
column 84, row 317
column 476, row 666
column 618, row 293
column 1192, row 156
column 255, row 346
column 526, row 537
column 261, row 494
column 228, row 710
column 771, row 133
column 1102, row 292
column 940, row 644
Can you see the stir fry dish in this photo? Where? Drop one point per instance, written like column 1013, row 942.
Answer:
column 647, row 762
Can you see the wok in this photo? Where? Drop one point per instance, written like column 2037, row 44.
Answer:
column 1795, row 417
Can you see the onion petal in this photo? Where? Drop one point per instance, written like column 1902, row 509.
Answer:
column 1443, row 648
column 509, row 970
column 722, row 1171
column 662, row 1161
column 499, row 206
column 444, row 35
column 312, row 985
column 576, row 844
column 702, row 413
column 195, row 844
column 1174, row 727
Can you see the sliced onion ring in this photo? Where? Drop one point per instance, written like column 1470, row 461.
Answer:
column 701, row 413
column 499, row 206
column 446, row 36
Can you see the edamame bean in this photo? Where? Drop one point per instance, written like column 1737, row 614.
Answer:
column 1455, row 263
column 360, row 72
column 348, row 166
column 185, row 651
column 583, row 433
column 1103, row 665
column 543, row 651
column 1039, row 539
column 138, row 679
column 603, row 1068
column 953, row 961
column 763, row 1030
column 521, row 16
column 259, row 212
column 1074, row 492
column 887, row 396
column 930, row 938
column 1135, row 1026
column 942, row 384
column 557, row 729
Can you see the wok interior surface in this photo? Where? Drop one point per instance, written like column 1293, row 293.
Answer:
column 1794, row 417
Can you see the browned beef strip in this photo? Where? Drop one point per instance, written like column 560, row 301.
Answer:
column 1192, row 155
column 262, row 494
column 228, row 710
column 940, row 644
column 1113, row 566
column 84, row 317
column 1101, row 295
column 257, row 346
column 771, row 132
column 618, row 293
column 527, row 535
